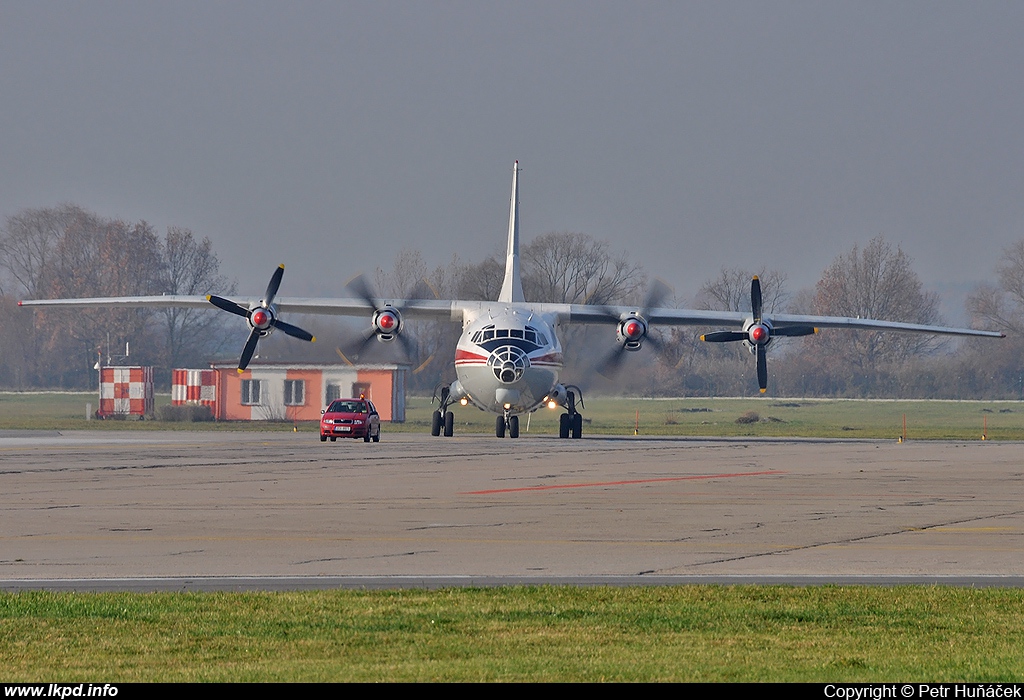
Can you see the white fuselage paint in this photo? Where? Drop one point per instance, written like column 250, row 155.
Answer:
column 508, row 359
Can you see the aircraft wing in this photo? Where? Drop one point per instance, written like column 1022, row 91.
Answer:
column 783, row 320
column 452, row 310
column 163, row 301
column 418, row 308
column 581, row 313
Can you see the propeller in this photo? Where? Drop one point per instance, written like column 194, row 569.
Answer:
column 633, row 330
column 385, row 324
column 758, row 333
column 261, row 318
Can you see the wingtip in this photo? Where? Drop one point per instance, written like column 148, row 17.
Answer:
column 764, row 390
column 313, row 339
column 209, row 297
column 241, row 371
column 703, row 338
column 19, row 302
column 281, row 266
column 757, row 278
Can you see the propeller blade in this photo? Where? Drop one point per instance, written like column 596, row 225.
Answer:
column 354, row 349
column 762, row 369
column 755, row 299
column 724, row 337
column 227, row 305
column 794, row 331
column 248, row 350
column 294, row 331
column 609, row 367
column 275, row 284
column 656, row 295
column 408, row 345
column 361, row 288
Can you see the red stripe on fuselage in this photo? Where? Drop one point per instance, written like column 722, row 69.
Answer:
column 465, row 355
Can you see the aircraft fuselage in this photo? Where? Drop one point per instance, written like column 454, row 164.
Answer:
column 508, row 359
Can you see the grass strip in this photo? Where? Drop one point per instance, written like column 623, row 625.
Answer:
column 685, row 633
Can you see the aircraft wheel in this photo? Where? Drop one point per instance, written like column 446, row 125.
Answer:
column 435, row 423
column 323, row 438
column 499, row 426
column 449, row 424
column 564, row 425
column 577, row 426
column 513, row 426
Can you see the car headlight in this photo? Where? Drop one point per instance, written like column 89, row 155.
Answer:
column 357, row 422
column 328, row 420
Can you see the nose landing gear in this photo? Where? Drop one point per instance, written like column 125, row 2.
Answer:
column 506, row 422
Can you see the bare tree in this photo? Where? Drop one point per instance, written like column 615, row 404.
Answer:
column 480, row 282
column 97, row 257
column 573, row 268
column 730, row 291
column 190, row 267
column 28, row 240
column 1002, row 306
column 879, row 282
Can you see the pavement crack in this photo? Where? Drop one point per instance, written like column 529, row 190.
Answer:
column 852, row 540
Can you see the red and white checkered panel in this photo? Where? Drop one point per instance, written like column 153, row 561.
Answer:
column 194, row 386
column 126, row 391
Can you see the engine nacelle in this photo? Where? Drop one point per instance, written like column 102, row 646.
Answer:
column 757, row 334
column 387, row 322
column 261, row 319
column 631, row 332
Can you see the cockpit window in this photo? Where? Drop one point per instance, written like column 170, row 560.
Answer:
column 528, row 335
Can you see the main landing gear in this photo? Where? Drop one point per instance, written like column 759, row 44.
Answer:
column 570, row 424
column 443, row 419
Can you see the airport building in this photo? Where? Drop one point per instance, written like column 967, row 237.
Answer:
column 289, row 392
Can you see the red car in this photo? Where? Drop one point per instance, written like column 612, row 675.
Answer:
column 350, row 418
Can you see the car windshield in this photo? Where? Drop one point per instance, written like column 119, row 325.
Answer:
column 347, row 407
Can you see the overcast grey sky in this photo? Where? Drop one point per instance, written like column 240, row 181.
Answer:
column 328, row 135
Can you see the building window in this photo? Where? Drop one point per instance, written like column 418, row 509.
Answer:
column 250, row 392
column 333, row 393
column 294, row 392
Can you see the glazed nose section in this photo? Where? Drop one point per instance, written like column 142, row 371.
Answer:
column 508, row 364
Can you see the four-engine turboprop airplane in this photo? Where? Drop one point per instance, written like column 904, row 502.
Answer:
column 509, row 357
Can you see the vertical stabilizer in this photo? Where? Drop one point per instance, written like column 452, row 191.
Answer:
column 512, row 287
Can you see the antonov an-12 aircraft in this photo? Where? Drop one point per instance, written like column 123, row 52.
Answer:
column 509, row 357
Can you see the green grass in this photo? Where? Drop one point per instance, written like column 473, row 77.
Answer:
column 932, row 420
column 686, row 633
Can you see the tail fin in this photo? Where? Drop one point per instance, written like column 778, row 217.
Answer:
column 512, row 287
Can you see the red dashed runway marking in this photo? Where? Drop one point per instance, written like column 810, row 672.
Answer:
column 624, row 482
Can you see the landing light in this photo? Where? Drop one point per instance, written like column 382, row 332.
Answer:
column 552, row 404
column 464, row 401
column 508, row 406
